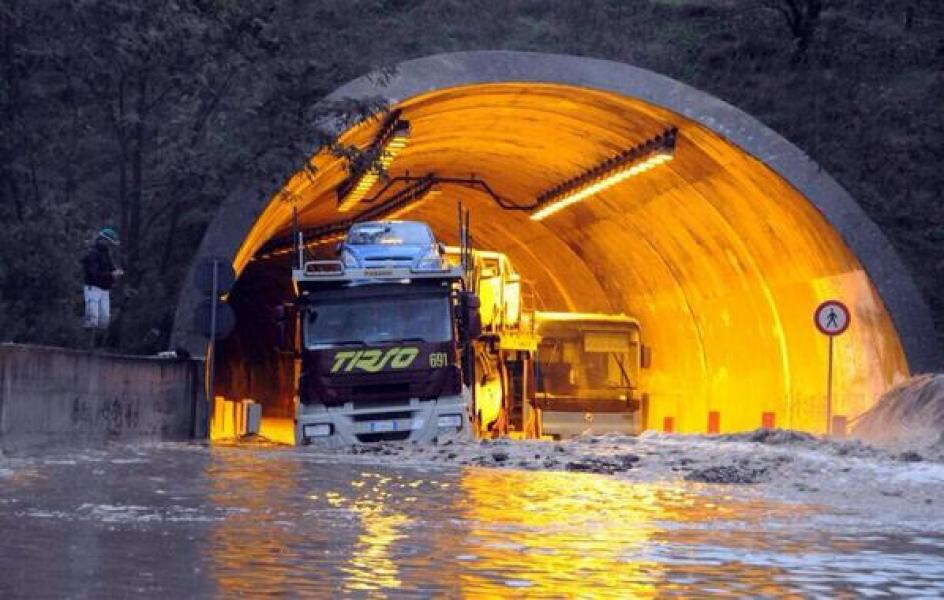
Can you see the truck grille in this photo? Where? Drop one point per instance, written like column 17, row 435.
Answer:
column 381, row 389
column 387, row 436
column 385, row 415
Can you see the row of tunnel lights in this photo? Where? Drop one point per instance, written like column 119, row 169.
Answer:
column 394, row 136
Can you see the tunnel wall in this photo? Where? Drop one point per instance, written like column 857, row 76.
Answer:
column 869, row 267
column 61, row 397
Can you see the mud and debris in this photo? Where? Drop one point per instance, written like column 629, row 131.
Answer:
column 734, row 473
column 604, row 464
column 778, row 464
column 908, row 417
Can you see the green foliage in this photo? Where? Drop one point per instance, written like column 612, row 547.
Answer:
column 147, row 114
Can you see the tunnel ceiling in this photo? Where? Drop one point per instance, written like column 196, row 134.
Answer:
column 722, row 253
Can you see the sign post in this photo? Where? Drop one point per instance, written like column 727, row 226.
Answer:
column 214, row 319
column 831, row 318
column 214, row 294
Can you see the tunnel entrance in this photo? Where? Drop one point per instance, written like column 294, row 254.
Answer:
column 721, row 254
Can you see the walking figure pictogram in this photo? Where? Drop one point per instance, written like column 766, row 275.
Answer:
column 832, row 319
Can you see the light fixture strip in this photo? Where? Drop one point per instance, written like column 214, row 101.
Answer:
column 390, row 141
column 610, row 172
column 397, row 204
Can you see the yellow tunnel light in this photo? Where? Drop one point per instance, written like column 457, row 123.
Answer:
column 605, row 175
column 331, row 239
column 392, row 139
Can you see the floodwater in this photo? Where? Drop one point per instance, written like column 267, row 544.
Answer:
column 184, row 521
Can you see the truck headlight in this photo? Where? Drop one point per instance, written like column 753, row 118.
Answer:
column 449, row 421
column 317, row 430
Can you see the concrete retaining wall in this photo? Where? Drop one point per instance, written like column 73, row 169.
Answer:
column 55, row 396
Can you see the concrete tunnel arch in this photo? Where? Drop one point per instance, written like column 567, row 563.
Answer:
column 721, row 254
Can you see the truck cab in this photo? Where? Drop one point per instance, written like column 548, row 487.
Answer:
column 380, row 350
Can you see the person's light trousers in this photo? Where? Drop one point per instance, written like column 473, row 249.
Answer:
column 97, row 308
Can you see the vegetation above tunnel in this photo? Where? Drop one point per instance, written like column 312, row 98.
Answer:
column 116, row 112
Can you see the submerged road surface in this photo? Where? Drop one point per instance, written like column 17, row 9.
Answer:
column 182, row 521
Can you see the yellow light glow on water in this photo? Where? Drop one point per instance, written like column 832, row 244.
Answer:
column 286, row 523
column 371, row 566
column 569, row 535
column 255, row 531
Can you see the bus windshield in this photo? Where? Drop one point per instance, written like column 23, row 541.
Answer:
column 593, row 363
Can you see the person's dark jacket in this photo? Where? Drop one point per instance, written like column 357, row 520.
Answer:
column 98, row 266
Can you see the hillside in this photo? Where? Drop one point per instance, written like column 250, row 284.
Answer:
column 114, row 112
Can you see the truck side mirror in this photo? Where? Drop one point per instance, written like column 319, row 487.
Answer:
column 470, row 316
column 645, row 356
column 284, row 316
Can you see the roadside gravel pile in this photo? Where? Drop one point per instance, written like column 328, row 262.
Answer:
column 738, row 458
column 787, row 438
column 909, row 418
column 741, row 472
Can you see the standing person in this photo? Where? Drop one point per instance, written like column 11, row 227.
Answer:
column 99, row 275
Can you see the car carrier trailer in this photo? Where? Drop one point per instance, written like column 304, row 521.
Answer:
column 396, row 345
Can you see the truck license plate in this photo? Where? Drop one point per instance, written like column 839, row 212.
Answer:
column 382, row 426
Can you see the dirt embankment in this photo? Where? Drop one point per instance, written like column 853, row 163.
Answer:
column 907, row 418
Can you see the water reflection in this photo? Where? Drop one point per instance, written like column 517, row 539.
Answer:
column 557, row 533
column 295, row 525
column 371, row 566
column 300, row 526
column 255, row 547
column 565, row 534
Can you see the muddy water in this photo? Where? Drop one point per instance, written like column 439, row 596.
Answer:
column 178, row 521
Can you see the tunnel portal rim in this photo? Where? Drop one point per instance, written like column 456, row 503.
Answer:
column 886, row 271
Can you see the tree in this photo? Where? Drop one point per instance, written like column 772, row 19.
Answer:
column 801, row 17
column 144, row 116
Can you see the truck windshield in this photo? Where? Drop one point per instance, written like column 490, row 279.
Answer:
column 379, row 319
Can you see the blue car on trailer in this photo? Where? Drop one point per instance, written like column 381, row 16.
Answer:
column 390, row 244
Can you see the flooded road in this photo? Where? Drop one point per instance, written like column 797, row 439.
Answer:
column 180, row 521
